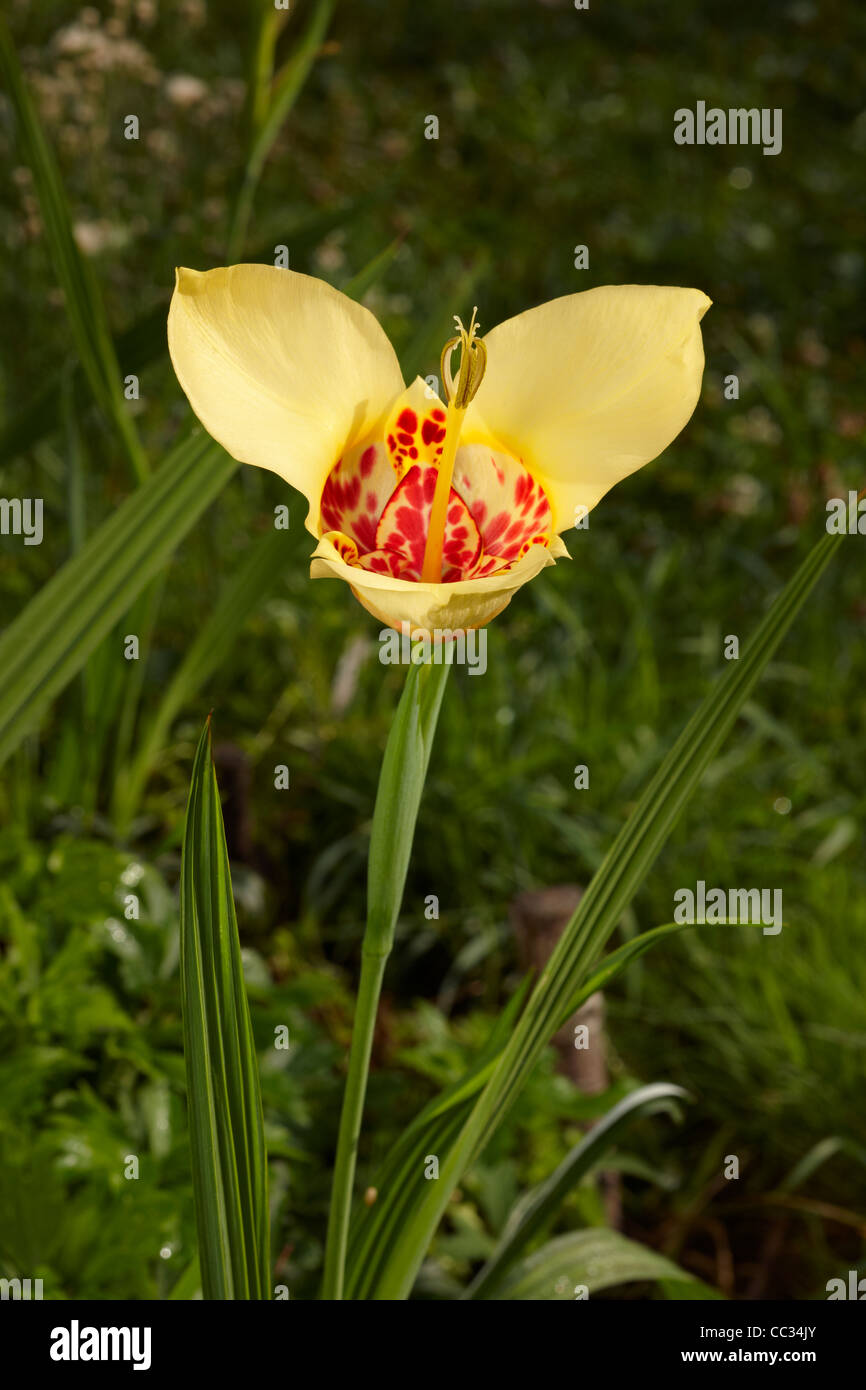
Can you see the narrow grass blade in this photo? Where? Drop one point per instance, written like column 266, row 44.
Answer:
column 229, row 1164
column 84, row 306
column 820, row 1154
column 75, row 488
column 596, row 1259
column 188, row 1286
column 535, row 1213
column 615, row 962
column 611, row 890
column 373, row 271
column 266, row 21
column 142, row 620
column 271, row 114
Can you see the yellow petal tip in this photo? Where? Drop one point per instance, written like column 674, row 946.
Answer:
column 187, row 281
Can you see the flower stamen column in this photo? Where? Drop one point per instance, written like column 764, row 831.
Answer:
column 473, row 360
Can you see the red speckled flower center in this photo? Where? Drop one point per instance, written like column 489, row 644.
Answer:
column 376, row 503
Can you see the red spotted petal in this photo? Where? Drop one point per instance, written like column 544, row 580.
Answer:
column 492, row 564
column 415, row 433
column 355, row 494
column 496, row 509
column 392, row 562
column 346, row 547
column 508, row 506
column 404, row 522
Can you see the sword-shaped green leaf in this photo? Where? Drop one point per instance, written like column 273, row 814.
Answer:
column 612, row 888
column 229, row 1163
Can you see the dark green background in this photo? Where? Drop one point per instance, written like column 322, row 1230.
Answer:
column 555, row 129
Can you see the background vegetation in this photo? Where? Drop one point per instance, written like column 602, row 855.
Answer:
column 555, row 129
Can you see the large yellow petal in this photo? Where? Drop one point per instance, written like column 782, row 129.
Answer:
column 281, row 368
column 588, row 388
column 454, row 607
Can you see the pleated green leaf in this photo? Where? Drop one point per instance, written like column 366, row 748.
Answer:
column 229, row 1164
column 611, row 890
column 596, row 1259
column 53, row 636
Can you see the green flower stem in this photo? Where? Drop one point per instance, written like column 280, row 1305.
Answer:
column 366, row 1009
column 401, row 784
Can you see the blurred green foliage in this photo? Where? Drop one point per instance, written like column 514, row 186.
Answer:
column 555, row 129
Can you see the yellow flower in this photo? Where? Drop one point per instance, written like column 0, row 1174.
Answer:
column 436, row 512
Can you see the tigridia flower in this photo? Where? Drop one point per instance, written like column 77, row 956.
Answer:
column 436, row 512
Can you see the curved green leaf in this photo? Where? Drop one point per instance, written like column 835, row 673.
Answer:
column 596, row 1259
column 820, row 1154
column 539, row 1207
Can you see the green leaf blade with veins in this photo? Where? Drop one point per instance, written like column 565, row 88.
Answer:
column 229, row 1163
